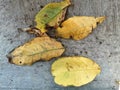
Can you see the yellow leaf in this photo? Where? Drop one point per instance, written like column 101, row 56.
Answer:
column 51, row 15
column 40, row 48
column 74, row 71
column 78, row 27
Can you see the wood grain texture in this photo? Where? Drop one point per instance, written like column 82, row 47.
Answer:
column 102, row 45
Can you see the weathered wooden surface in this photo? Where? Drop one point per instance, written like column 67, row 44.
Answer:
column 102, row 45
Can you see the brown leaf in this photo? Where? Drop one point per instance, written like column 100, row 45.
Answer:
column 40, row 48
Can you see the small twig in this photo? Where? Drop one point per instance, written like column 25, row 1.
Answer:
column 33, row 30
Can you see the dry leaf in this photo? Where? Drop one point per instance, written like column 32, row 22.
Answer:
column 78, row 27
column 74, row 71
column 51, row 15
column 40, row 48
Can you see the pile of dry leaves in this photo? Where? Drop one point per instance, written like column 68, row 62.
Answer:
column 68, row 71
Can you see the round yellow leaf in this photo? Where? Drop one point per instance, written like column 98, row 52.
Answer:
column 74, row 71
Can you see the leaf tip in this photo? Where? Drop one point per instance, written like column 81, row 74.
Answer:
column 9, row 58
column 100, row 19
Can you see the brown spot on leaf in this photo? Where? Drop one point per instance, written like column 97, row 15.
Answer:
column 45, row 15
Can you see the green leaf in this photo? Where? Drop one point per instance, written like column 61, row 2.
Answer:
column 51, row 15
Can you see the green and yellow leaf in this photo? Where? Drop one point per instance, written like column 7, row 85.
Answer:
column 51, row 15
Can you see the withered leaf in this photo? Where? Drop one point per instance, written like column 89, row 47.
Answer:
column 74, row 71
column 78, row 27
column 51, row 15
column 40, row 48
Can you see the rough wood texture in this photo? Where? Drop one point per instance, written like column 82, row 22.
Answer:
column 102, row 45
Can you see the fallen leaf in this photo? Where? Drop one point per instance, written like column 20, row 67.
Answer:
column 51, row 15
column 78, row 27
column 74, row 71
column 40, row 48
